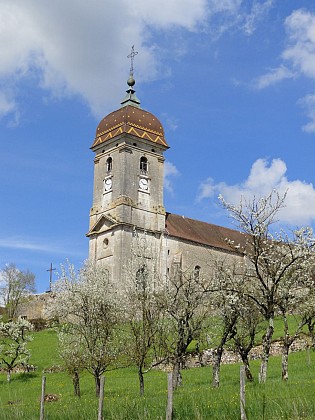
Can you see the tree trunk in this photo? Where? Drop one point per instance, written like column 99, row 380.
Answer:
column 311, row 326
column 285, row 351
column 97, row 379
column 216, row 368
column 177, row 376
column 266, row 344
column 229, row 333
column 285, row 363
column 9, row 375
column 141, row 381
column 243, row 352
column 76, row 384
column 199, row 354
column 248, row 372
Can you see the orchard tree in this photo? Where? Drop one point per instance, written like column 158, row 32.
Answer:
column 272, row 258
column 296, row 296
column 248, row 325
column 307, row 312
column 71, row 351
column 14, row 286
column 184, row 301
column 14, row 337
column 142, row 315
column 225, row 304
column 87, row 302
column 237, row 315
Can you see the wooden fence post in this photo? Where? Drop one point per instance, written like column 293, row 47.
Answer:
column 42, row 398
column 242, row 392
column 101, row 399
column 169, row 408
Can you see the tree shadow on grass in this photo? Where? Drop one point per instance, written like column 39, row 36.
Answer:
column 23, row 377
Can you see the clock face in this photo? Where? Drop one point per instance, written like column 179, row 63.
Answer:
column 108, row 184
column 143, row 184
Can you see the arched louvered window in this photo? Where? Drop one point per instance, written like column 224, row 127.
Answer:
column 143, row 165
column 109, row 164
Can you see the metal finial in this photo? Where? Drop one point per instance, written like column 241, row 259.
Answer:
column 132, row 57
column 131, row 98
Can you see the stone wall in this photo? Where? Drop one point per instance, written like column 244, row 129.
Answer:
column 206, row 357
column 35, row 306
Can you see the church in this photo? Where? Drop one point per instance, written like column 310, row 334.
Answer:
column 129, row 149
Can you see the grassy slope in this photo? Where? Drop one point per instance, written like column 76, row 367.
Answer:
column 195, row 400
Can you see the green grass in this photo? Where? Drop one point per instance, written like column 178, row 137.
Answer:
column 278, row 326
column 195, row 400
column 44, row 349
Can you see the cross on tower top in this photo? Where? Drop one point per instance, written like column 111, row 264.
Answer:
column 132, row 57
column 131, row 98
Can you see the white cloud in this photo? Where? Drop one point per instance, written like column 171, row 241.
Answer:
column 19, row 243
column 258, row 11
column 262, row 179
column 300, row 27
column 299, row 53
column 298, row 59
column 308, row 102
column 170, row 170
column 207, row 189
column 81, row 47
column 18, row 38
column 274, row 76
column 7, row 104
column 226, row 6
column 38, row 246
column 165, row 13
column 170, row 122
column 237, row 14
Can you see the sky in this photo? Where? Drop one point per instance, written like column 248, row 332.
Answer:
column 232, row 81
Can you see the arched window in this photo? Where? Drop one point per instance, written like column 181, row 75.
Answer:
column 109, row 164
column 197, row 272
column 143, row 165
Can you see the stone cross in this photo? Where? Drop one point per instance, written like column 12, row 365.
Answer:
column 50, row 277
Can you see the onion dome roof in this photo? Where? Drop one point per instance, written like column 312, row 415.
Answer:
column 130, row 119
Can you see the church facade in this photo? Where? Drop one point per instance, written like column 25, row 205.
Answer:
column 129, row 149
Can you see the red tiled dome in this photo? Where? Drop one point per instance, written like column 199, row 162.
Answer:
column 132, row 120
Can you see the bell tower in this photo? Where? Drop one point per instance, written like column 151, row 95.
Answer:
column 129, row 151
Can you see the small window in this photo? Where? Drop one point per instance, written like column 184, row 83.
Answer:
column 109, row 164
column 143, row 165
column 197, row 272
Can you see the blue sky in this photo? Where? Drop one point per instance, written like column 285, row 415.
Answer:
column 232, row 81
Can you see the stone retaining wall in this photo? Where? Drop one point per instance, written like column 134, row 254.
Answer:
column 206, row 357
